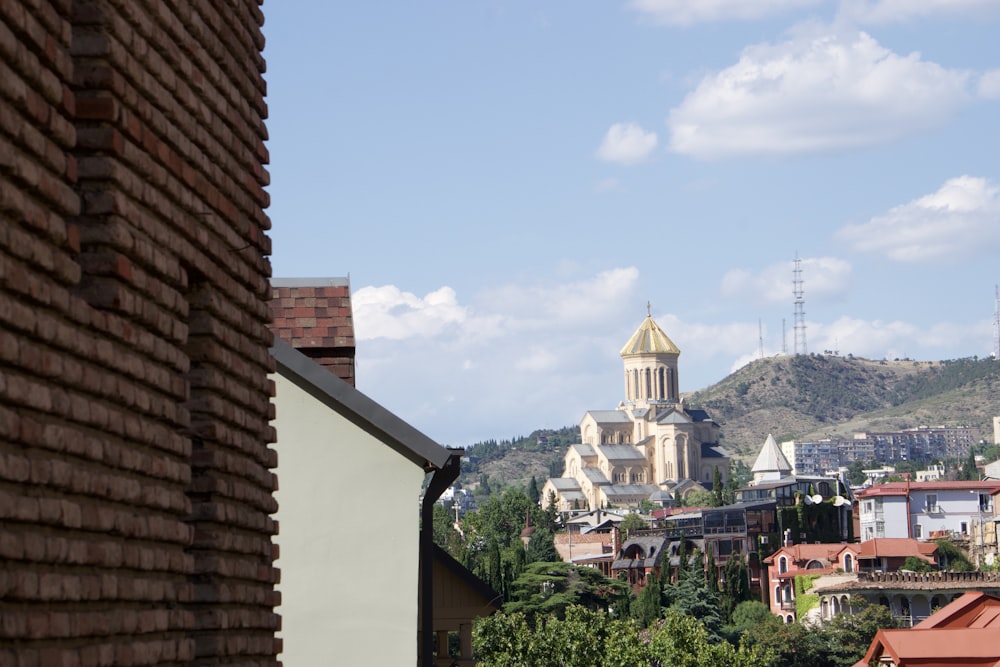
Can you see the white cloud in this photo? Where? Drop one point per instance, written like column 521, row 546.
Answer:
column 960, row 220
column 538, row 354
column 891, row 11
column 820, row 91
column 626, row 143
column 826, row 277
column 690, row 12
column 989, row 85
column 388, row 312
column 877, row 339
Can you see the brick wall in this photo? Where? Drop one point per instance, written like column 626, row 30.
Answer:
column 135, row 469
column 314, row 316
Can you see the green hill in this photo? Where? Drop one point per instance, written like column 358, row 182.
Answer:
column 816, row 396
column 793, row 397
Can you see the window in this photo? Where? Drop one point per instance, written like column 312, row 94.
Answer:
column 848, row 563
column 965, row 528
column 918, row 531
column 782, row 565
column 985, row 502
column 931, row 504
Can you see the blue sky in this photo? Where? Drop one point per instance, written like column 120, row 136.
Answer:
column 508, row 183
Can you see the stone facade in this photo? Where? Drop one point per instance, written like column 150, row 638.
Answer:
column 136, row 483
column 650, row 444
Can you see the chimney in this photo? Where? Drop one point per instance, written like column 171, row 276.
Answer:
column 314, row 316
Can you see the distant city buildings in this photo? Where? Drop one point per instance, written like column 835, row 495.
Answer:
column 923, row 444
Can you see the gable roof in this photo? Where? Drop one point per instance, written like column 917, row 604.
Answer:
column 966, row 632
column 936, row 648
column 896, row 547
column 771, row 458
column 610, row 416
column 974, row 609
column 357, row 408
column 804, row 553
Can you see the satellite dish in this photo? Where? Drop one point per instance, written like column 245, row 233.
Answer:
column 817, row 499
column 808, row 500
column 841, row 501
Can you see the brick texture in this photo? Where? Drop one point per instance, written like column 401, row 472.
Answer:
column 136, row 473
column 317, row 320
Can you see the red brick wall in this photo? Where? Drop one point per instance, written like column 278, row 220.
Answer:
column 314, row 316
column 135, row 471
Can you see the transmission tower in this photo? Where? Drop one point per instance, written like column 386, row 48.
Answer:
column 996, row 321
column 760, row 337
column 800, row 313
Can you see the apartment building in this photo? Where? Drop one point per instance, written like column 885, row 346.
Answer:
column 925, row 510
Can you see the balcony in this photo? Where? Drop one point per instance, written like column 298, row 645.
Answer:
column 787, row 605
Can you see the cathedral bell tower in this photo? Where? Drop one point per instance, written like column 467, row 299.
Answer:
column 650, row 359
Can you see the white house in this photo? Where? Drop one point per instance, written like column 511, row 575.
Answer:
column 350, row 558
column 924, row 510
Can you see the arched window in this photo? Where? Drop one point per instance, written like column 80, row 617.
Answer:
column 782, row 565
column 848, row 563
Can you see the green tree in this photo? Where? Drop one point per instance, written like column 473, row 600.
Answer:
column 735, row 587
column 968, row 470
column 951, row 557
column 718, row 499
column 846, row 637
column 632, row 523
column 551, row 513
column 545, row 589
column 541, row 547
column 914, row 564
column 752, row 613
column 648, row 604
column 693, row 596
column 679, row 640
column 699, row 498
column 587, row 638
column 533, row 493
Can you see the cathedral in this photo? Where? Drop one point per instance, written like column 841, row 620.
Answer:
column 648, row 448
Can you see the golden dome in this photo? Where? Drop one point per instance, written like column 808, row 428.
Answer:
column 649, row 339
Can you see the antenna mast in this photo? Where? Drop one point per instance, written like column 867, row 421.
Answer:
column 800, row 313
column 996, row 321
column 760, row 337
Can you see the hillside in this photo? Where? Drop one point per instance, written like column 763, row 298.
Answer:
column 815, row 396
column 800, row 397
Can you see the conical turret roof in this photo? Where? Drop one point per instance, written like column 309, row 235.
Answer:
column 771, row 459
column 649, row 339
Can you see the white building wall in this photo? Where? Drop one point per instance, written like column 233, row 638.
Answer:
column 957, row 511
column 348, row 537
column 886, row 519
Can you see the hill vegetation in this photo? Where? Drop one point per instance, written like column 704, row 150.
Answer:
column 792, row 397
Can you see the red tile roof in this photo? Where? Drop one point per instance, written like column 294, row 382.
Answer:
column 964, row 632
column 897, row 547
column 901, row 488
